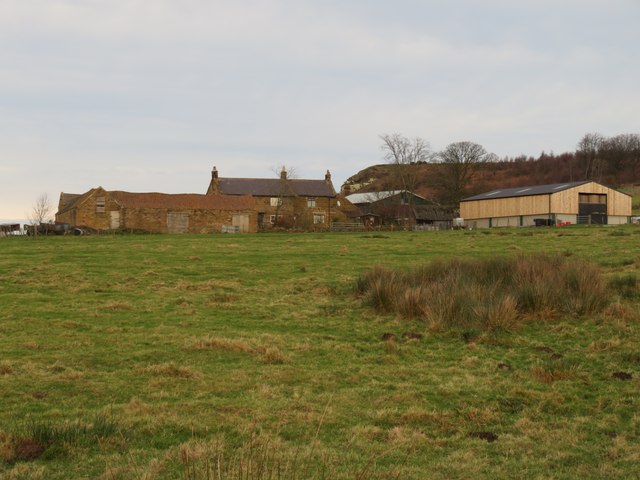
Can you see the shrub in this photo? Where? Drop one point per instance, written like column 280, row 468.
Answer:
column 487, row 294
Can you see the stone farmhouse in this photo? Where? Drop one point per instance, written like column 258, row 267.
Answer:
column 244, row 205
column 283, row 202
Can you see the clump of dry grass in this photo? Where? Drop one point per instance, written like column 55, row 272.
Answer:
column 268, row 354
column 170, row 369
column 489, row 294
column 118, row 306
column 33, row 438
column 6, row 368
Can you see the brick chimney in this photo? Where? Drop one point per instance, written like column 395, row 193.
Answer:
column 346, row 189
column 327, row 177
column 213, row 186
column 283, row 174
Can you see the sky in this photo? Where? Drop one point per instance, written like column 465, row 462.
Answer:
column 149, row 95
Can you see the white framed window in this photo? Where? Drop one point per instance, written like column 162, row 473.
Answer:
column 100, row 204
column 272, row 219
column 311, row 202
column 276, row 202
column 318, row 218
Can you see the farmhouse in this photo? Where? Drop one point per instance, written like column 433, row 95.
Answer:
column 574, row 202
column 283, row 202
column 100, row 209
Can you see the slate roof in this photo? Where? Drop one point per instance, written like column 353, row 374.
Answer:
column 525, row 191
column 66, row 199
column 275, row 187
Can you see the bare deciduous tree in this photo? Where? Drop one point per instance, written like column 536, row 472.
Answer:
column 285, row 192
column 40, row 211
column 589, row 154
column 403, row 152
column 459, row 163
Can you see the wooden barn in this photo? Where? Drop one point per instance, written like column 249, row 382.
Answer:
column 100, row 209
column 585, row 202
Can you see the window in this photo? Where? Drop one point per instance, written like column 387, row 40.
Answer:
column 311, row 202
column 276, row 202
column 318, row 218
column 99, row 204
column 272, row 219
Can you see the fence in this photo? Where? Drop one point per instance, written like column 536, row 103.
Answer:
column 347, row 227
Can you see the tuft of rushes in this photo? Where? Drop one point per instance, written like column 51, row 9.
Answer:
column 488, row 294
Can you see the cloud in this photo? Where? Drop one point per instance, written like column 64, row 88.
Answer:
column 149, row 95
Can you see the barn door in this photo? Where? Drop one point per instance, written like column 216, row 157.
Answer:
column 592, row 208
column 241, row 221
column 114, row 220
column 177, row 222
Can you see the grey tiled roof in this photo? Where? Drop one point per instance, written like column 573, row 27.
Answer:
column 525, row 191
column 275, row 187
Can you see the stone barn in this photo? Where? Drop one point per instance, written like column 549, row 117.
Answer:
column 585, row 202
column 100, row 209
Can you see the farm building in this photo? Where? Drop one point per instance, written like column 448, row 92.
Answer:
column 574, row 202
column 398, row 207
column 157, row 212
column 285, row 202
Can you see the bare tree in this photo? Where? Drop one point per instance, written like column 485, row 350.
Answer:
column 459, row 163
column 285, row 193
column 404, row 153
column 40, row 211
column 589, row 154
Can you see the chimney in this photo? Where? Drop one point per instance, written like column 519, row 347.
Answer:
column 346, row 189
column 327, row 177
column 283, row 174
column 213, row 185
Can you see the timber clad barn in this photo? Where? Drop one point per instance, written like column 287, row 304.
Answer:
column 575, row 202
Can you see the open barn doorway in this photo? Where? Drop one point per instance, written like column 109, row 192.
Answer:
column 592, row 208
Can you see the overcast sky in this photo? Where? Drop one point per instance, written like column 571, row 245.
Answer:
column 148, row 95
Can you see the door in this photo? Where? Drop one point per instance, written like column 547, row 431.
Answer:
column 114, row 221
column 241, row 221
column 592, row 208
column 177, row 222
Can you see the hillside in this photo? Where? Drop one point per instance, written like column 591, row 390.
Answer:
column 502, row 174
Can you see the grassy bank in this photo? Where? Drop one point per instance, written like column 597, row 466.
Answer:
column 184, row 356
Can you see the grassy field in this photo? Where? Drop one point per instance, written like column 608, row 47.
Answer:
column 198, row 357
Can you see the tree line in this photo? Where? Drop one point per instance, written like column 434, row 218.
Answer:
column 465, row 168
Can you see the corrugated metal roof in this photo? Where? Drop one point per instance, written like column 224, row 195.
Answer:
column 525, row 191
column 275, row 187
column 370, row 197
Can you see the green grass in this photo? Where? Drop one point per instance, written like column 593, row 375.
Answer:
column 166, row 357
